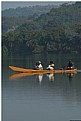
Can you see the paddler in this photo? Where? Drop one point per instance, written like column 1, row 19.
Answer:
column 70, row 65
column 50, row 66
column 39, row 66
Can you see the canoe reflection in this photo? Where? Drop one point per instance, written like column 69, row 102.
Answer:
column 38, row 76
column 19, row 75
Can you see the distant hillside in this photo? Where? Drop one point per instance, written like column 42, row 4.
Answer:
column 56, row 31
column 27, row 11
column 15, row 17
column 64, row 15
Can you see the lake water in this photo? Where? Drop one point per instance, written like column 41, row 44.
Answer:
column 39, row 97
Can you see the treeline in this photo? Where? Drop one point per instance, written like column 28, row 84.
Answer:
column 15, row 17
column 56, row 31
column 27, row 11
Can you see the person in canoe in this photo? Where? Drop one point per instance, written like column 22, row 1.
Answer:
column 70, row 65
column 39, row 65
column 50, row 66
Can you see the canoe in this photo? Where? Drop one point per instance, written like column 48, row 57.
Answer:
column 22, row 70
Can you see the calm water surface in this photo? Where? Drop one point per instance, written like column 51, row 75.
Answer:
column 41, row 97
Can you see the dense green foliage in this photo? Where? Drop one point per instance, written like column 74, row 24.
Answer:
column 15, row 17
column 56, row 31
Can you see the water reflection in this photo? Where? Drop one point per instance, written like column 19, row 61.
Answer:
column 36, row 94
column 70, row 76
column 19, row 75
column 51, row 77
column 39, row 78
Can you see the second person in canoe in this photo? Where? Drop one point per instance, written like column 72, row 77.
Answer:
column 50, row 66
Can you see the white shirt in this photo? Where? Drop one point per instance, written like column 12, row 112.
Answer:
column 40, row 66
column 49, row 67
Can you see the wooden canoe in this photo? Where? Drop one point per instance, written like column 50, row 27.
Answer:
column 22, row 70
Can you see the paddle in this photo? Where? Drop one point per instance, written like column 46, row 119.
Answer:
column 78, row 71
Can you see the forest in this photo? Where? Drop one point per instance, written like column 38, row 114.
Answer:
column 15, row 17
column 57, row 30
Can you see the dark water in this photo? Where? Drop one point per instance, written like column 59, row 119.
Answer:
column 40, row 98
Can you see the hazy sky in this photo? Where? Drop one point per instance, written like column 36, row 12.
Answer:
column 15, row 4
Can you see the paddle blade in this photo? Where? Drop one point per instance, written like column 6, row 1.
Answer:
column 78, row 71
